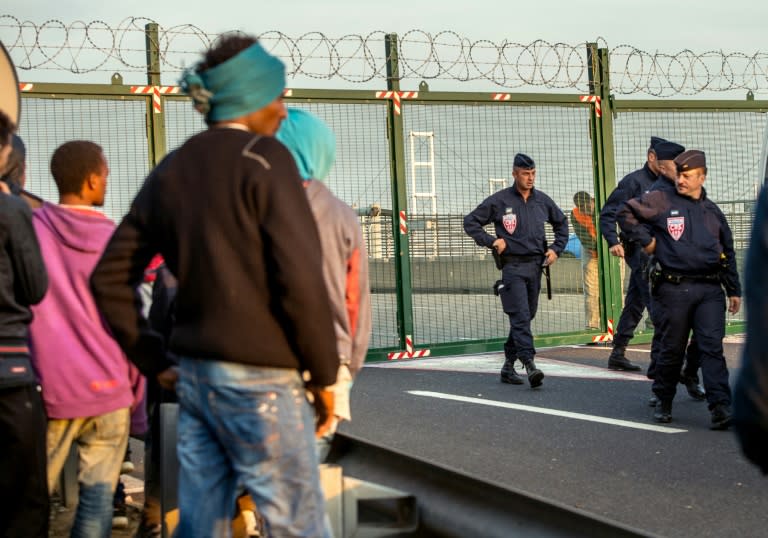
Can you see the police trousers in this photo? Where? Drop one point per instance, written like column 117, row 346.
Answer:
column 520, row 301
column 697, row 306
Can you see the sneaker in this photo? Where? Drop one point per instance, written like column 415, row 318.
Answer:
column 120, row 518
column 653, row 401
column 127, row 465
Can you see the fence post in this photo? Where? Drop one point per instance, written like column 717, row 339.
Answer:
column 403, row 288
column 604, row 162
column 156, row 109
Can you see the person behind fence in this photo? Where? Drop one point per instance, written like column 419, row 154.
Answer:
column 693, row 248
column 519, row 214
column 228, row 213
column 750, row 395
column 85, row 376
column 583, row 222
column 345, row 261
column 24, row 502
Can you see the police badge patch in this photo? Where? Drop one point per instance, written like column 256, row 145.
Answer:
column 676, row 227
column 510, row 222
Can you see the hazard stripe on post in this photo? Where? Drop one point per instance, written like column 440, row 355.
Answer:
column 403, row 223
column 501, row 96
column 25, row 86
column 595, row 100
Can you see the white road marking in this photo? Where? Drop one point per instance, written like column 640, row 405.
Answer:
column 491, row 363
column 547, row 411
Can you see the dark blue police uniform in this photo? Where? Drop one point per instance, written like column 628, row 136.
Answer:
column 520, row 223
column 638, row 297
column 694, row 250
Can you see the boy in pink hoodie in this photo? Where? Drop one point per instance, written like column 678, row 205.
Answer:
column 85, row 378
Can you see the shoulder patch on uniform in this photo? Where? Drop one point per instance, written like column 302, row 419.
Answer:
column 248, row 152
column 509, row 220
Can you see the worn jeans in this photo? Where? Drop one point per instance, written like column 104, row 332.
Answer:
column 246, row 426
column 101, row 443
column 589, row 271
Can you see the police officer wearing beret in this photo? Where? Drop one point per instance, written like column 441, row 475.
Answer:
column 518, row 214
column 693, row 245
column 638, row 297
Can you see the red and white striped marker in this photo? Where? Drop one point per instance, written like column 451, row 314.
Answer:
column 501, row 96
column 25, row 86
column 156, row 92
column 396, row 97
column 403, row 223
column 287, row 93
column 608, row 337
column 409, row 352
column 595, row 99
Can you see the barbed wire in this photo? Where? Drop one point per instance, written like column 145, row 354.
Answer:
column 86, row 47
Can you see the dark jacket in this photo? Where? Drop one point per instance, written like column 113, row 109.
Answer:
column 750, row 395
column 691, row 235
column 228, row 213
column 519, row 222
column 631, row 186
column 23, row 278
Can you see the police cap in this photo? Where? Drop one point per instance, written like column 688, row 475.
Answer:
column 655, row 140
column 688, row 160
column 667, row 151
column 524, row 161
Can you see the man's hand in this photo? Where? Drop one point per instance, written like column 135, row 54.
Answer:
column 324, row 401
column 549, row 257
column 168, row 377
column 4, row 188
column 617, row 250
column 499, row 245
column 650, row 248
column 734, row 304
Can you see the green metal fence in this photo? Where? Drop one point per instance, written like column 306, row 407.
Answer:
column 414, row 163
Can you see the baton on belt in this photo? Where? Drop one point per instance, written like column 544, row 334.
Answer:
column 497, row 258
column 545, row 269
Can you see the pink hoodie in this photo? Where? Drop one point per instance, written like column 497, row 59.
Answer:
column 83, row 372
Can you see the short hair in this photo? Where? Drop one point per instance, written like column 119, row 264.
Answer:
column 73, row 162
column 225, row 47
column 582, row 199
column 7, row 128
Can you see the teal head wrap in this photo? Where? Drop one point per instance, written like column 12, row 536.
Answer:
column 248, row 81
column 310, row 141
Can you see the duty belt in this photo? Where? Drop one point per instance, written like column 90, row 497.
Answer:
column 523, row 258
column 677, row 278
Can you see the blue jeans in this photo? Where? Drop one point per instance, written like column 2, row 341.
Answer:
column 246, row 426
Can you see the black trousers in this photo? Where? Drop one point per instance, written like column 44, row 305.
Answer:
column 24, row 504
column 520, row 301
column 682, row 308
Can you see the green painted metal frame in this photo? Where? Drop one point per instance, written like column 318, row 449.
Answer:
column 601, row 133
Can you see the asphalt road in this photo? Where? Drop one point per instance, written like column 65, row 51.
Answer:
column 679, row 480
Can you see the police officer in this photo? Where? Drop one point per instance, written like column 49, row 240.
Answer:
column 637, row 298
column 666, row 154
column 693, row 245
column 518, row 214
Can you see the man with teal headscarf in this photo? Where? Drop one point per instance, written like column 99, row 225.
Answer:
column 228, row 213
column 345, row 261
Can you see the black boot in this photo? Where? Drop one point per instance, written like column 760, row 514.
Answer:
column 535, row 376
column 617, row 360
column 508, row 373
column 721, row 417
column 691, row 383
column 663, row 411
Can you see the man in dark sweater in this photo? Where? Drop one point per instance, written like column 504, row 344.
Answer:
column 229, row 215
column 23, row 282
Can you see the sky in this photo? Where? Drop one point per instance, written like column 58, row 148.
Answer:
column 652, row 25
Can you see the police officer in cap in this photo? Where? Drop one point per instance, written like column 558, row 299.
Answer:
column 518, row 214
column 693, row 245
column 666, row 153
column 638, row 297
